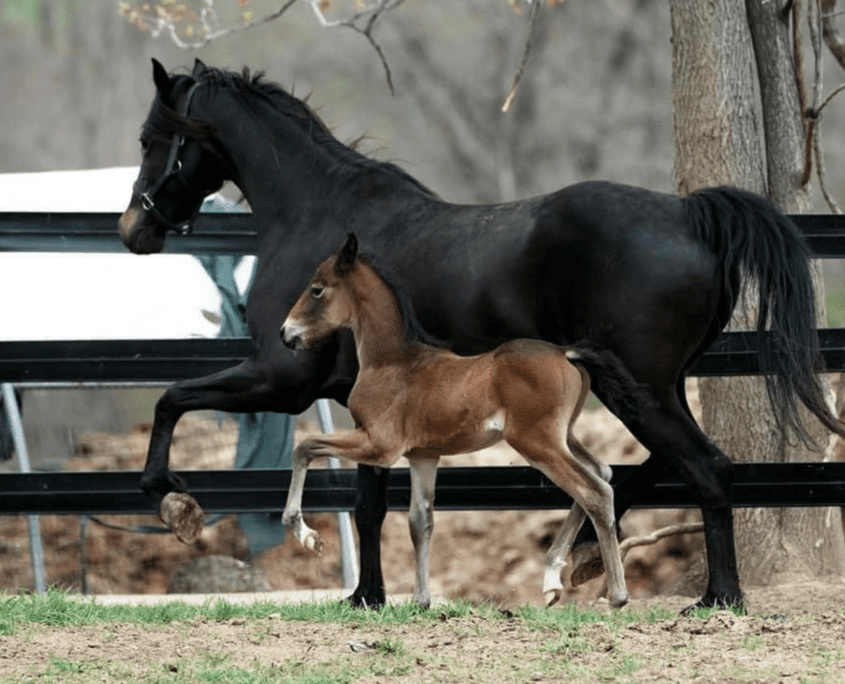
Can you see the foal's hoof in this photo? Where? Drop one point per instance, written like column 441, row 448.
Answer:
column 618, row 601
column 183, row 515
column 312, row 542
column 588, row 564
column 552, row 597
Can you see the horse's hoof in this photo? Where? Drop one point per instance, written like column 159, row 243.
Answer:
column 735, row 604
column 363, row 600
column 552, row 597
column 588, row 564
column 183, row 515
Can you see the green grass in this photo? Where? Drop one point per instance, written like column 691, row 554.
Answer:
column 59, row 609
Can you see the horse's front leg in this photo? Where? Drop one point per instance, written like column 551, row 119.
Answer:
column 242, row 388
column 370, row 511
column 352, row 444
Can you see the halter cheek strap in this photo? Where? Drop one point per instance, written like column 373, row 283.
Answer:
column 173, row 166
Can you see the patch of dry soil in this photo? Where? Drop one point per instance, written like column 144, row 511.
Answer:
column 802, row 643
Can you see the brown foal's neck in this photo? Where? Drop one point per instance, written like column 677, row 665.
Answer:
column 377, row 324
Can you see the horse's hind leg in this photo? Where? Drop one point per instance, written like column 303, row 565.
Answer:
column 665, row 428
column 421, row 521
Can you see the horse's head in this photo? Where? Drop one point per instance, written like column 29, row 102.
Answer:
column 325, row 305
column 179, row 168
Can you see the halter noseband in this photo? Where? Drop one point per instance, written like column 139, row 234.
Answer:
column 174, row 165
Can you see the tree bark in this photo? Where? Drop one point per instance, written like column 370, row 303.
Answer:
column 738, row 122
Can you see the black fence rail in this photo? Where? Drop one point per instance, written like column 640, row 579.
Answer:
column 756, row 484
column 487, row 488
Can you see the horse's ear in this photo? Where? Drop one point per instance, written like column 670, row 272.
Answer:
column 346, row 257
column 199, row 68
column 161, row 78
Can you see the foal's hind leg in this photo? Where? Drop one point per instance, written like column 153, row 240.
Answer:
column 562, row 545
column 421, row 521
column 558, row 552
column 541, row 448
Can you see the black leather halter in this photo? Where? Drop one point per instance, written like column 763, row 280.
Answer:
column 174, row 165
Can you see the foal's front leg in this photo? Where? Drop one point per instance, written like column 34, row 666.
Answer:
column 421, row 521
column 352, row 444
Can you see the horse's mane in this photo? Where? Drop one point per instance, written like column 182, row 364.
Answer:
column 412, row 329
column 166, row 121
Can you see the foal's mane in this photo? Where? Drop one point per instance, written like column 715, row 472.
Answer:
column 165, row 121
column 412, row 329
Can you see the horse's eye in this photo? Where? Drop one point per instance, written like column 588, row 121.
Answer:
column 317, row 291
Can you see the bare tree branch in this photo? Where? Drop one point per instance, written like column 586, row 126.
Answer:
column 532, row 23
column 831, row 35
column 682, row 528
column 817, row 18
column 163, row 21
column 632, row 542
column 370, row 13
column 165, row 18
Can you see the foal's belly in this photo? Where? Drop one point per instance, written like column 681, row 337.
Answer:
column 446, row 440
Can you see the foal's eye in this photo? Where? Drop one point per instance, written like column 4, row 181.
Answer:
column 317, row 291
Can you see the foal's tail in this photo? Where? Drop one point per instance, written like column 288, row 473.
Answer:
column 752, row 238
column 623, row 395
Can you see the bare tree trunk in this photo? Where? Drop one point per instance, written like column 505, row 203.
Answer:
column 719, row 48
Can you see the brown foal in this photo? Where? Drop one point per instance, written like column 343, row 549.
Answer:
column 421, row 401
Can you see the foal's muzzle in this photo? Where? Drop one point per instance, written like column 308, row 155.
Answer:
column 291, row 336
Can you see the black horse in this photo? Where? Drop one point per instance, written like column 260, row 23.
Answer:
column 651, row 277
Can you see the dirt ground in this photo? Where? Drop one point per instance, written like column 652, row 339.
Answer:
column 801, row 642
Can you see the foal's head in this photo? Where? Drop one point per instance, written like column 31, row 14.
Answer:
column 326, row 304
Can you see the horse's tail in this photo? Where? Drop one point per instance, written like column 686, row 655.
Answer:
column 623, row 395
column 752, row 238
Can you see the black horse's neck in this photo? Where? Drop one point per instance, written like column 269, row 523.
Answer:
column 291, row 169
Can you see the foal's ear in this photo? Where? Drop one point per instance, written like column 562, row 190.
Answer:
column 199, row 68
column 161, row 79
column 346, row 257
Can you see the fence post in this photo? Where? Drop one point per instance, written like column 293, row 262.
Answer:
column 16, row 426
